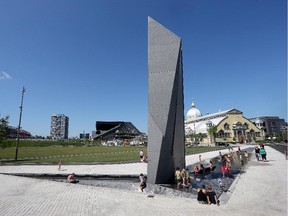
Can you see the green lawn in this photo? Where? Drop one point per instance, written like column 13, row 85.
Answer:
column 79, row 155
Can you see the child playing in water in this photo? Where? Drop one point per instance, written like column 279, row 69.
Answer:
column 223, row 165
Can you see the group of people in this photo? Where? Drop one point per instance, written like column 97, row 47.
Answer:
column 207, row 196
column 260, row 153
column 200, row 167
column 182, row 177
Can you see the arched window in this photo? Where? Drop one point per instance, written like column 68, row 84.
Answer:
column 226, row 126
column 220, row 134
column 245, row 126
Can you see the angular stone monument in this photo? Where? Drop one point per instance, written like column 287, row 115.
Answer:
column 166, row 149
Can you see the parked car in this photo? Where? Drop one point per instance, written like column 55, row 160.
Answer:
column 221, row 144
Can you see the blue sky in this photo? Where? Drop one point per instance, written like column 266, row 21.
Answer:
column 88, row 59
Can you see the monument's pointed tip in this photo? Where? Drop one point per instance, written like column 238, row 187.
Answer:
column 150, row 19
column 152, row 23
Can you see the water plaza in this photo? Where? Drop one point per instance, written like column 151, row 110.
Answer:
column 130, row 182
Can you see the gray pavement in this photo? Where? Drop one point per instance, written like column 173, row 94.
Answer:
column 260, row 190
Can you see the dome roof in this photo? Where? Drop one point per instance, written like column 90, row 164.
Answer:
column 193, row 112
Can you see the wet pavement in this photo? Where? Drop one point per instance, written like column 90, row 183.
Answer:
column 130, row 182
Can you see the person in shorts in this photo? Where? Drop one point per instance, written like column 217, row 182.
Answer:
column 178, row 177
column 224, row 165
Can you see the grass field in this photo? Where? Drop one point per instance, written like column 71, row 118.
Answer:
column 71, row 154
column 35, row 153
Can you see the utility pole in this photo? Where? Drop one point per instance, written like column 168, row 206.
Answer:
column 19, row 125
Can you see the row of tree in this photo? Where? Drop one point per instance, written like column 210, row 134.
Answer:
column 198, row 138
column 4, row 121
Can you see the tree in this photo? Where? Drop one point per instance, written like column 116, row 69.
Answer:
column 194, row 138
column 212, row 131
column 201, row 137
column 3, row 128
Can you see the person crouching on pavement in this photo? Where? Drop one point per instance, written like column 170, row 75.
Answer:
column 142, row 182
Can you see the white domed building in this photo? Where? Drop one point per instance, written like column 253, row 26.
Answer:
column 231, row 125
column 193, row 113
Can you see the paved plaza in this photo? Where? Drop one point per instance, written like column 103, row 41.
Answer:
column 260, row 190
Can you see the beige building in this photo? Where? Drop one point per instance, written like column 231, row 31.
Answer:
column 231, row 125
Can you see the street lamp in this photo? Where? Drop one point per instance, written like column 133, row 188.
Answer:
column 19, row 125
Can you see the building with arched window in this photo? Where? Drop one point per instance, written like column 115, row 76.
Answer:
column 231, row 126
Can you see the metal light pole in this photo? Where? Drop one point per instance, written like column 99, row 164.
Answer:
column 19, row 125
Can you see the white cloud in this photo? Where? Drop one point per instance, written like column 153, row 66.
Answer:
column 5, row 76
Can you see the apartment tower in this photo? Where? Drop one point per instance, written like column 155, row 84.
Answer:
column 59, row 127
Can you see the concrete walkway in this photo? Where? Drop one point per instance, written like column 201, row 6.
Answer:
column 261, row 190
